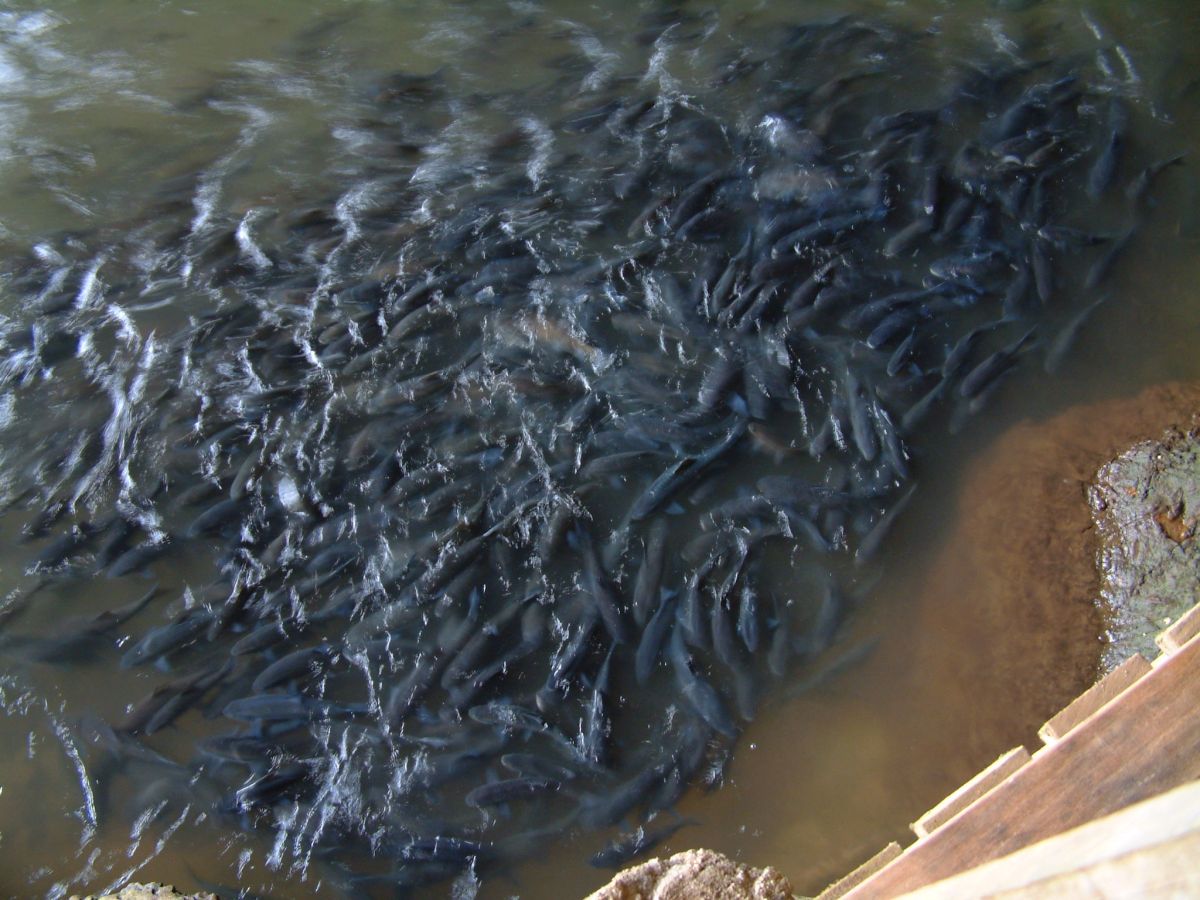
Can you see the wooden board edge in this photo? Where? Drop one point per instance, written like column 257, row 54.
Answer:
column 847, row 883
column 1173, row 637
column 1094, row 698
column 970, row 792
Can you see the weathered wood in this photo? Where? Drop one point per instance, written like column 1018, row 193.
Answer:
column 848, row 882
column 1185, row 628
column 1145, row 742
column 992, row 776
column 1098, row 695
column 1148, row 849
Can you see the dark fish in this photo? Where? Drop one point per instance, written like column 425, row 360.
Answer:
column 992, row 368
column 690, row 614
column 135, row 559
column 722, row 288
column 166, row 638
column 902, row 355
column 869, row 545
column 511, row 789
column 533, row 765
column 747, row 619
column 1104, row 169
column 701, row 695
column 960, row 354
column 1099, row 270
column 291, row 665
column 1043, row 270
column 260, row 638
column 595, row 729
column 865, row 438
column 509, row 716
column 721, row 629
column 122, row 744
column 894, row 452
column 1137, row 188
column 779, row 651
column 955, row 216
column 444, row 848
column 718, row 379
column 76, row 639
column 608, row 808
column 267, row 788
column 167, row 701
column 601, row 591
column 182, row 701
column 633, row 844
column 246, row 749
column 834, row 667
column 64, row 546
column 689, row 202
column 215, row 518
column 683, row 472
column 653, row 637
column 566, row 660
column 649, row 577
column 894, row 324
column 1017, row 293
column 907, row 237
column 1066, row 336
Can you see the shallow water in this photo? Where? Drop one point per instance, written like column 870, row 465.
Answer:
column 117, row 122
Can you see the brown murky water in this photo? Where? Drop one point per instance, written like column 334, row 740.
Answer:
column 951, row 659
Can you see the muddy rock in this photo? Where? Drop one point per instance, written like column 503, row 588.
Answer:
column 151, row 891
column 1146, row 504
column 695, row 875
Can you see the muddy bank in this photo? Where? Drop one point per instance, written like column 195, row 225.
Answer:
column 1145, row 504
column 1022, row 564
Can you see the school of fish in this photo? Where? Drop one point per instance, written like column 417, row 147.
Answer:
column 527, row 467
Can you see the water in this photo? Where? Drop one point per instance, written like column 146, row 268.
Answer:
column 121, row 128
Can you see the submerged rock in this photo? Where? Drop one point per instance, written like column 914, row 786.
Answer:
column 151, row 891
column 696, row 875
column 1146, row 504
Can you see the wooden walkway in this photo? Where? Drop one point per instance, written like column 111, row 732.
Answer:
column 1133, row 736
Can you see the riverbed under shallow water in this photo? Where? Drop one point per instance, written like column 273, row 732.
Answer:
column 183, row 186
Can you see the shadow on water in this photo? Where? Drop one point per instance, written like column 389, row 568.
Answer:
column 411, row 332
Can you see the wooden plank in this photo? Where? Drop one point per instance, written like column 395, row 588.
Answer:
column 1150, row 831
column 862, row 873
column 1143, row 743
column 1168, row 870
column 1095, row 697
column 1185, row 628
column 993, row 775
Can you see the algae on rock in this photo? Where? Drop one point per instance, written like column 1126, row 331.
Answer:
column 1146, row 504
column 151, row 891
column 695, row 875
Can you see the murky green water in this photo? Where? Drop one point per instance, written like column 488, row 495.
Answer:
column 106, row 107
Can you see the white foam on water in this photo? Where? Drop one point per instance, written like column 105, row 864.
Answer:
column 604, row 61
column 248, row 246
column 91, row 288
column 542, row 139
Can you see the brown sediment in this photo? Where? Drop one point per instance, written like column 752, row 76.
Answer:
column 1174, row 525
column 1023, row 558
column 1007, row 623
